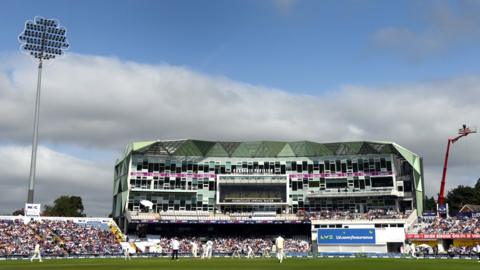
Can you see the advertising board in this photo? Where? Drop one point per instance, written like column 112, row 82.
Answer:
column 346, row 236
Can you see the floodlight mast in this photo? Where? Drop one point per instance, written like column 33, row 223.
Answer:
column 464, row 131
column 43, row 39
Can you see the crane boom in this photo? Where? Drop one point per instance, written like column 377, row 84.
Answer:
column 464, row 131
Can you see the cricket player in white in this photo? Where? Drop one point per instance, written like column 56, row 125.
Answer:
column 266, row 252
column 413, row 250
column 477, row 250
column 159, row 248
column 204, row 251
column 194, row 249
column 36, row 253
column 279, row 242
column 126, row 253
column 236, row 251
column 274, row 249
column 249, row 252
column 209, row 249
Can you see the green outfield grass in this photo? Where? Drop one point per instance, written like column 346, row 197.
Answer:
column 244, row 264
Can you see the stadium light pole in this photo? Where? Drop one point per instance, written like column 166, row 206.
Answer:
column 44, row 39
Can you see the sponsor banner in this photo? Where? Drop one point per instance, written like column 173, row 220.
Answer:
column 443, row 236
column 441, row 209
column 298, row 175
column 469, row 214
column 346, row 237
column 338, row 174
column 429, row 215
column 32, row 209
column 174, row 175
column 256, row 200
column 253, row 171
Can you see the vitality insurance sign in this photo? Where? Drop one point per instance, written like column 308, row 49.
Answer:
column 345, row 236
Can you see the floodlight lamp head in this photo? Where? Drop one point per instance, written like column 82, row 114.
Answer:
column 44, row 39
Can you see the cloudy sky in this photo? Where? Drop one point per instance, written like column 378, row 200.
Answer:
column 235, row 70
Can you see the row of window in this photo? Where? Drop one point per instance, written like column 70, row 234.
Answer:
column 199, row 206
column 329, row 166
column 195, row 202
column 172, row 202
column 322, row 184
column 337, row 206
column 335, row 183
column 170, row 207
column 171, row 184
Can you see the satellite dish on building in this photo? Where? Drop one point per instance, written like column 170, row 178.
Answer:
column 146, row 203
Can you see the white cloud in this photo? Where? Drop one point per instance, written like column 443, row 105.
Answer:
column 102, row 103
column 57, row 174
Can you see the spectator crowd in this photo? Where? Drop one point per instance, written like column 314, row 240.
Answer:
column 350, row 215
column 461, row 225
column 227, row 246
column 56, row 238
column 452, row 251
column 463, row 250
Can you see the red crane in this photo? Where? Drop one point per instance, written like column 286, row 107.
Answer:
column 464, row 131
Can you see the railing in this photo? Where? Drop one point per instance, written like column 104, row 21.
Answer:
column 364, row 218
column 354, row 192
column 268, row 216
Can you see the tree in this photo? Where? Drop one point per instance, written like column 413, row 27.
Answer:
column 430, row 204
column 462, row 195
column 18, row 212
column 65, row 206
column 477, row 186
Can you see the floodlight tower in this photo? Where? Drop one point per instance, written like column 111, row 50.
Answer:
column 44, row 39
column 462, row 132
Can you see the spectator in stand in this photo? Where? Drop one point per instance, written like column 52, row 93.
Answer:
column 460, row 225
column 350, row 215
column 462, row 250
column 234, row 246
column 66, row 238
column 55, row 238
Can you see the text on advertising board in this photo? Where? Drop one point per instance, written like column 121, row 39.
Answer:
column 346, row 236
